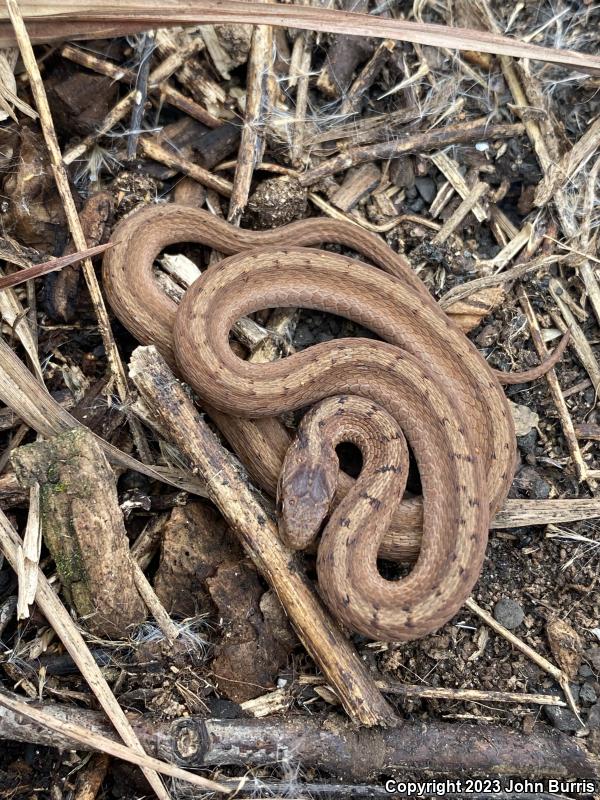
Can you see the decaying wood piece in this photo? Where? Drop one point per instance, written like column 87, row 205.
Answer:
column 227, row 485
column 11, row 492
column 367, row 75
column 356, row 185
column 454, row 695
column 332, row 745
column 83, row 529
column 344, row 54
column 91, row 777
column 152, row 149
column 518, row 513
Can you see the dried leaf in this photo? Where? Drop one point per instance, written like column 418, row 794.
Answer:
column 469, row 312
column 524, row 418
column 566, row 646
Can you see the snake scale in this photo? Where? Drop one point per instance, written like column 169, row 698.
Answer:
column 424, row 381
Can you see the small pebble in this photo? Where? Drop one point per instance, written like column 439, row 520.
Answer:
column 528, row 443
column 593, row 656
column 563, row 719
column 586, row 671
column 508, row 613
column 587, row 693
column 593, row 720
column 529, row 482
column 426, row 188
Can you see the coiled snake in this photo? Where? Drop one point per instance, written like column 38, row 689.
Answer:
column 423, row 380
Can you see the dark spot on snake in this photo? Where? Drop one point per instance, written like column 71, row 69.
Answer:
column 387, row 468
column 346, row 601
column 473, row 502
column 406, row 609
column 461, row 571
column 345, row 522
column 374, row 502
column 261, row 519
column 453, row 557
column 474, row 537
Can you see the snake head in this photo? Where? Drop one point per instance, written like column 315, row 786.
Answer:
column 306, row 488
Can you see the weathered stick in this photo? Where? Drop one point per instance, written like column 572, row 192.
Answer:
column 260, row 90
column 422, row 141
column 228, row 488
column 330, row 744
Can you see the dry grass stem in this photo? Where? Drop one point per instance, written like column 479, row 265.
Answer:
column 554, row 386
column 454, row 695
column 70, row 19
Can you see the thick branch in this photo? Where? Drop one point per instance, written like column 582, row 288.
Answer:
column 330, row 744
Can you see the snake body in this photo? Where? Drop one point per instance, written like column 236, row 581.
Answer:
column 424, row 373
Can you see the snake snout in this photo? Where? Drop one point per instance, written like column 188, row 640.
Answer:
column 305, row 496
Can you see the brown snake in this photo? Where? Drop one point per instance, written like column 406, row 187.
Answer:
column 424, row 376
